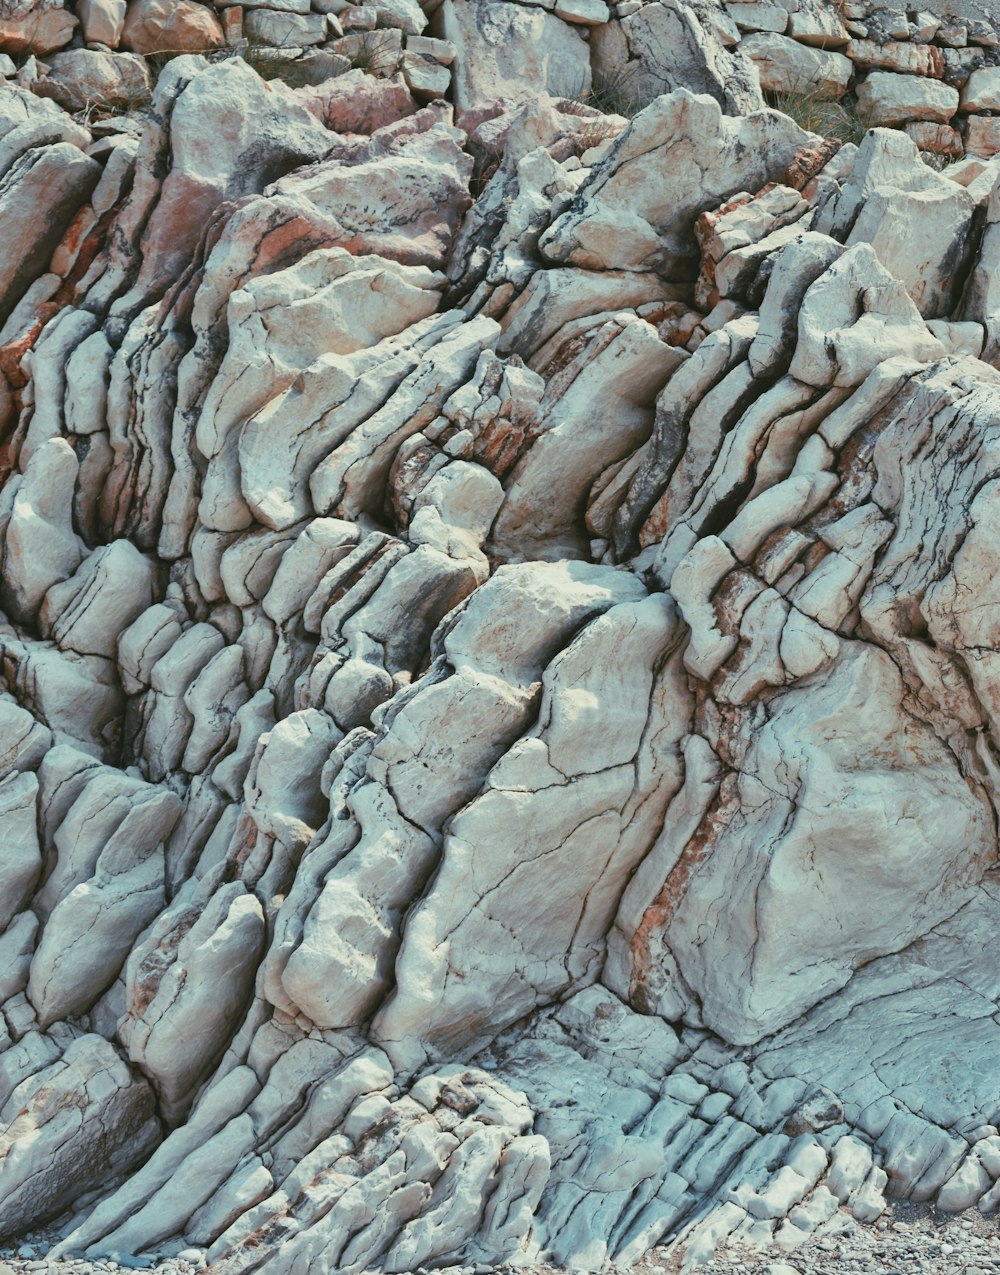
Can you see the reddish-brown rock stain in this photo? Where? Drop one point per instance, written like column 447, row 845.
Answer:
column 658, row 915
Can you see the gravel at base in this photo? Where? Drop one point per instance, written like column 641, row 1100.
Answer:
column 909, row 1239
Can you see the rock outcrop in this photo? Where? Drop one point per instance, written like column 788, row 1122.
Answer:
column 499, row 646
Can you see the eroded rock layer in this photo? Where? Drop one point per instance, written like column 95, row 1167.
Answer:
column 499, row 672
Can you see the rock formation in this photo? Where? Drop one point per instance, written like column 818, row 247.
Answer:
column 499, row 637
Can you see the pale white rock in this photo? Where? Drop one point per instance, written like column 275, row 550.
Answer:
column 94, row 923
column 797, row 266
column 88, row 612
column 616, row 375
column 554, row 298
column 401, row 15
column 981, row 91
column 84, row 1104
column 934, row 225
column 837, row 345
column 266, row 132
column 442, row 51
column 759, row 17
column 663, row 47
column 512, row 50
column 363, row 196
column 861, row 671
column 22, row 860
column 175, row 1027
column 47, row 364
column 17, row 944
column 524, row 791
column 787, row 66
column 888, row 98
column 588, row 13
column 101, row 20
column 86, row 388
column 57, row 177
column 143, row 642
column 167, row 722
column 424, row 77
column 886, row 159
column 982, row 299
column 850, row 1165
column 282, row 790
column 41, row 547
column 284, row 29
column 85, row 78
column 621, row 219
column 965, row 1187
column 328, row 302
column 816, row 24
column 350, row 479
column 213, row 699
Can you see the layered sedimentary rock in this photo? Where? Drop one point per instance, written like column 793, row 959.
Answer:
column 498, row 675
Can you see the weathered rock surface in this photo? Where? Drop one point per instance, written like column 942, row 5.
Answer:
column 498, row 654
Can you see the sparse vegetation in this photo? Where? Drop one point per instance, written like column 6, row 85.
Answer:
column 822, row 115
column 615, row 93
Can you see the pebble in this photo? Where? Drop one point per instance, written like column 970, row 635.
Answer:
column 907, row 1240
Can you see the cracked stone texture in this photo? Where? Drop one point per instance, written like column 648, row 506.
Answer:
column 498, row 671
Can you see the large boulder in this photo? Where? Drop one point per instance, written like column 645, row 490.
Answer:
column 82, row 78
column 170, row 26
column 511, row 50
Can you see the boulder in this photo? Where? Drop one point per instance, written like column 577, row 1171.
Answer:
column 886, row 99
column 82, row 78
column 786, row 66
column 896, row 55
column 38, row 32
column 759, row 17
column 981, row 91
column 170, row 26
column 982, row 136
column 284, row 29
column 662, row 47
column 61, row 175
column 61, row 1115
column 101, row 21
column 817, row 25
column 511, row 50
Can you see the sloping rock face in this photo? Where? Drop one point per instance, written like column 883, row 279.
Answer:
column 499, row 670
